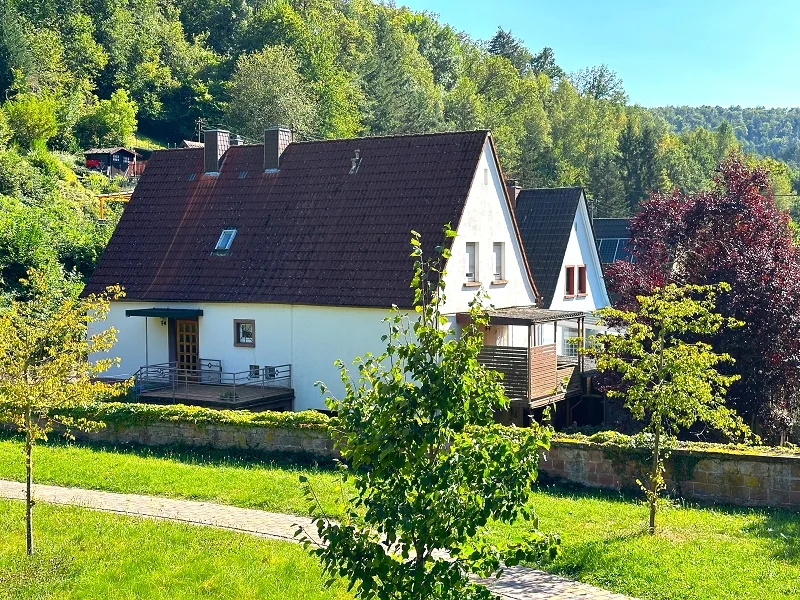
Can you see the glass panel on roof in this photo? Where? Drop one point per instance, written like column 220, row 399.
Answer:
column 622, row 250
column 608, row 250
column 225, row 239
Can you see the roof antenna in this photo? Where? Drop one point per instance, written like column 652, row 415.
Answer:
column 356, row 163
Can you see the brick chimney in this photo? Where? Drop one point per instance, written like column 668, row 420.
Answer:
column 513, row 191
column 216, row 142
column 276, row 139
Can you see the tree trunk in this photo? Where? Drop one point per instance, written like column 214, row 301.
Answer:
column 654, row 484
column 29, row 478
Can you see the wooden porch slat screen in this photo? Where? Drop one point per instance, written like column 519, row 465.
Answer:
column 512, row 363
column 543, row 360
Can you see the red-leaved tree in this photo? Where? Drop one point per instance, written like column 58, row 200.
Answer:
column 733, row 234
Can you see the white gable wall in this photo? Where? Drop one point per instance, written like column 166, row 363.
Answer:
column 486, row 220
column 581, row 250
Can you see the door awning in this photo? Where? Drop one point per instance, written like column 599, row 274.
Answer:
column 165, row 313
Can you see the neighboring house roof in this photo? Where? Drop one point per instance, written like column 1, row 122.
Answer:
column 109, row 151
column 612, row 236
column 311, row 233
column 545, row 217
column 191, row 144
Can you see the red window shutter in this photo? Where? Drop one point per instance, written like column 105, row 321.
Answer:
column 569, row 288
column 582, row 280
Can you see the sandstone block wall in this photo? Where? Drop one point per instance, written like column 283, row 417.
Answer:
column 706, row 476
column 701, row 475
column 219, row 436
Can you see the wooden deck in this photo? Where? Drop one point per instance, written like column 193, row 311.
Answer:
column 222, row 396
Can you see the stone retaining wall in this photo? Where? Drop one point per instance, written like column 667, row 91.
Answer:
column 308, row 440
column 702, row 475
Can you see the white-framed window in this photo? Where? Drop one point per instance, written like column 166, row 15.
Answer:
column 472, row 261
column 486, row 177
column 497, row 252
column 225, row 239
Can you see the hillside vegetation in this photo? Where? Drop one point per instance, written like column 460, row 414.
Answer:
column 771, row 132
column 81, row 73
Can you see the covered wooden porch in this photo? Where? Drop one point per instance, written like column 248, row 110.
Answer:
column 534, row 374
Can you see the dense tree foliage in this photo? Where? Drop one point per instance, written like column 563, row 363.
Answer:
column 339, row 69
column 734, row 234
column 80, row 73
column 771, row 132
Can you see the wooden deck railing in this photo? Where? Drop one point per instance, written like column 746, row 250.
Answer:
column 530, row 373
column 543, row 380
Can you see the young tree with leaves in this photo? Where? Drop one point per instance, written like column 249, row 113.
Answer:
column 45, row 367
column 667, row 380
column 430, row 466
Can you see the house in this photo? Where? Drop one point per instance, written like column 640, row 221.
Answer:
column 556, row 232
column 249, row 269
column 557, row 235
column 612, row 237
column 117, row 161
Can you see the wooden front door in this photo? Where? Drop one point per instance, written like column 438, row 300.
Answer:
column 187, row 346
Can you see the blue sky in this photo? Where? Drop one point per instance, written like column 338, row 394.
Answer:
column 726, row 52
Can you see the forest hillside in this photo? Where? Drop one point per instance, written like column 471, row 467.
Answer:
column 76, row 74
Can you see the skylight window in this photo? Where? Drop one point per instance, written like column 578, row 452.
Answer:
column 226, row 239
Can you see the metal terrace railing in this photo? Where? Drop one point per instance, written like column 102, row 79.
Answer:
column 209, row 382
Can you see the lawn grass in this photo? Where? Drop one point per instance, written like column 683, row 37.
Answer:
column 84, row 554
column 697, row 553
column 212, row 476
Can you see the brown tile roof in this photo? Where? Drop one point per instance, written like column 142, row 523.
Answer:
column 310, row 234
column 113, row 150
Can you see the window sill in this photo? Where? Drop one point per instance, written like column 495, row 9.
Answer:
column 582, row 295
column 569, row 296
column 472, row 284
column 242, row 345
column 499, row 282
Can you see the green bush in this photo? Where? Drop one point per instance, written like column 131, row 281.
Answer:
column 127, row 414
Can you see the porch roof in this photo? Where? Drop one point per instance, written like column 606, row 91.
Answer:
column 531, row 315
column 165, row 313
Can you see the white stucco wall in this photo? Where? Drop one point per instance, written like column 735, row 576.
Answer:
column 581, row 250
column 310, row 338
column 486, row 220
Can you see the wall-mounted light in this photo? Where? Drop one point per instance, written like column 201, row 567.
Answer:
column 163, row 322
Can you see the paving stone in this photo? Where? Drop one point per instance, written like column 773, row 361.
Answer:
column 517, row 583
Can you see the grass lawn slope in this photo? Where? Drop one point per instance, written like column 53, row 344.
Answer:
column 84, row 554
column 696, row 554
column 194, row 474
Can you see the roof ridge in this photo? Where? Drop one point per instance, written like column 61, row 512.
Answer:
column 392, row 136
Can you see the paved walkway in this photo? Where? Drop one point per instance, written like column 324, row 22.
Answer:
column 517, row 583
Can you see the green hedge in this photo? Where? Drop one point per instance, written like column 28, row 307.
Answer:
column 126, row 414
column 641, row 441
